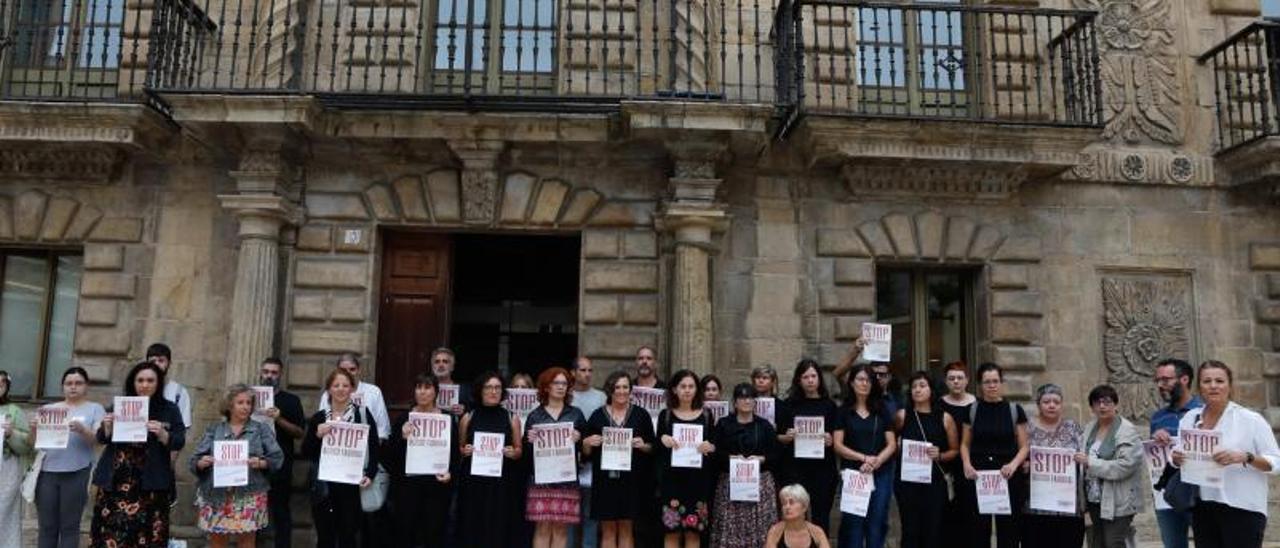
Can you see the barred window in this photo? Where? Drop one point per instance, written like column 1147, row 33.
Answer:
column 38, row 306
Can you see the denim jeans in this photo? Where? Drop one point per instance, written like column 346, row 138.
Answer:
column 870, row 531
column 1173, row 527
column 587, row 529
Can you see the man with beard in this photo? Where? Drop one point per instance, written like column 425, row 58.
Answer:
column 1173, row 380
column 442, row 366
column 287, row 417
column 647, row 369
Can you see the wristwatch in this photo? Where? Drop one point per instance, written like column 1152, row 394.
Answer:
column 1248, row 460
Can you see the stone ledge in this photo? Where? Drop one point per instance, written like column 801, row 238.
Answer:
column 121, row 125
column 1264, row 256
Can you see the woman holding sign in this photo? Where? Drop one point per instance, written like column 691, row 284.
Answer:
column 335, row 443
column 231, row 464
column 618, row 434
column 995, row 438
column 134, row 479
column 552, row 433
column 490, row 438
column 1241, row 443
column 1051, row 435
column 16, row 445
column 865, row 442
column 746, row 503
column 929, row 440
column 62, row 486
column 805, row 429
column 684, row 473
column 1113, row 472
column 421, row 497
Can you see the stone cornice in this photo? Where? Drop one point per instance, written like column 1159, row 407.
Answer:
column 124, row 125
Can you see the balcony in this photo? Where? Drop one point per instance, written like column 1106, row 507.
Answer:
column 1246, row 68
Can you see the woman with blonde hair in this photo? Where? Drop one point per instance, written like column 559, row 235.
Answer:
column 795, row 530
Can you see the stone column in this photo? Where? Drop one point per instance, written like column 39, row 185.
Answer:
column 692, row 215
column 261, row 211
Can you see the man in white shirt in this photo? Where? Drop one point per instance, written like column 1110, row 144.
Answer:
column 365, row 394
column 162, row 356
column 587, row 399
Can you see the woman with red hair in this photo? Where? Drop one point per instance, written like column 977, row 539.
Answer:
column 553, row 507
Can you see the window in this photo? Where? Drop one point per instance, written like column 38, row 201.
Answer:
column 67, row 47
column 475, row 50
column 909, row 59
column 1271, row 8
column 931, row 314
column 37, row 318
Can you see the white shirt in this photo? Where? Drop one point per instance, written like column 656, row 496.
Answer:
column 367, row 395
column 177, row 394
column 587, row 401
column 1242, row 430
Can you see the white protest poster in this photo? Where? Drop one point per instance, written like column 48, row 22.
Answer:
column 653, row 400
column 744, row 480
column 719, row 409
column 448, row 396
column 427, row 445
column 810, row 440
column 1198, row 466
column 264, row 398
column 615, row 453
column 993, row 493
column 1053, row 479
column 342, row 453
column 486, row 455
column 53, row 429
column 520, row 402
column 917, row 466
column 767, row 409
column 231, row 463
column 855, row 492
column 553, row 453
column 1158, row 456
column 688, row 437
column 876, row 337
column 130, row 414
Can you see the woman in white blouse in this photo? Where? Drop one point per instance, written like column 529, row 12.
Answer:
column 1234, row 515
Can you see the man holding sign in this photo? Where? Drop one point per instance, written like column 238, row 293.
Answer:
column 231, row 464
column 285, row 414
column 1173, row 379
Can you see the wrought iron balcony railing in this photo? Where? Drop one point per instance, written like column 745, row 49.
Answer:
column 1246, row 68
column 937, row 60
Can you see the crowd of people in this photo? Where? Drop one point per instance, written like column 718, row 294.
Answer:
column 865, row 425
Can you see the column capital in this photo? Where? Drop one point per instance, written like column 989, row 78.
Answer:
column 697, row 159
column 270, row 163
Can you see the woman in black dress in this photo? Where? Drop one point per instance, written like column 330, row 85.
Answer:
column 335, row 507
column 957, row 520
column 808, row 398
column 920, row 505
column 995, row 438
column 480, row 496
column 420, row 502
column 684, row 492
column 613, row 500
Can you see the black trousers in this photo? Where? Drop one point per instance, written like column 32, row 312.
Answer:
column 1052, row 531
column 281, row 514
column 920, row 508
column 338, row 517
column 1217, row 525
column 958, row 517
column 1007, row 527
column 420, row 506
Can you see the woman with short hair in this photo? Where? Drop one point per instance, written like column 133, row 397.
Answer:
column 1113, row 464
column 233, row 515
column 480, row 498
column 744, row 435
column 553, row 507
column 995, row 438
column 420, row 502
column 1049, row 429
column 613, row 501
column 794, row 530
column 335, row 507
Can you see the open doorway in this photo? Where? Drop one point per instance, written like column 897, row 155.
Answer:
column 502, row 302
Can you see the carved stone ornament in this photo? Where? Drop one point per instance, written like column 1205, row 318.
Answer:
column 97, row 164
column 1144, row 166
column 996, row 182
column 1148, row 318
column 1139, row 70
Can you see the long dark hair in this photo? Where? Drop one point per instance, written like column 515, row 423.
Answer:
column 131, row 390
column 796, row 393
column 673, row 401
column 875, row 398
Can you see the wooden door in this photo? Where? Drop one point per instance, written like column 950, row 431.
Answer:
column 414, row 310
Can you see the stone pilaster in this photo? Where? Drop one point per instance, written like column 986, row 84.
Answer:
column 265, row 180
column 692, row 216
column 479, row 179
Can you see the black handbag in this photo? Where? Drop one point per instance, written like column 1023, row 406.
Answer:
column 1180, row 495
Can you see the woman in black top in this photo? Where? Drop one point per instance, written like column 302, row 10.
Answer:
column 335, row 507
column 995, row 438
column 808, row 398
column 920, row 505
column 864, row 441
column 480, row 498
column 743, row 435
column 420, row 502
column 613, row 500
column 962, row 506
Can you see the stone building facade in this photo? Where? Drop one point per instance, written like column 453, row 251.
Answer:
column 257, row 216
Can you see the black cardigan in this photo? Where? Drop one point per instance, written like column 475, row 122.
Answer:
column 311, row 444
column 157, row 472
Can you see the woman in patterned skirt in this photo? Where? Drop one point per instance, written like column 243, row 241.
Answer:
column 134, row 480
column 553, row 507
column 232, row 515
column 684, row 492
column 743, row 435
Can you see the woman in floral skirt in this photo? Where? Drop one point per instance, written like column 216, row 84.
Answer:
column 233, row 515
column 135, row 480
column 684, row 492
